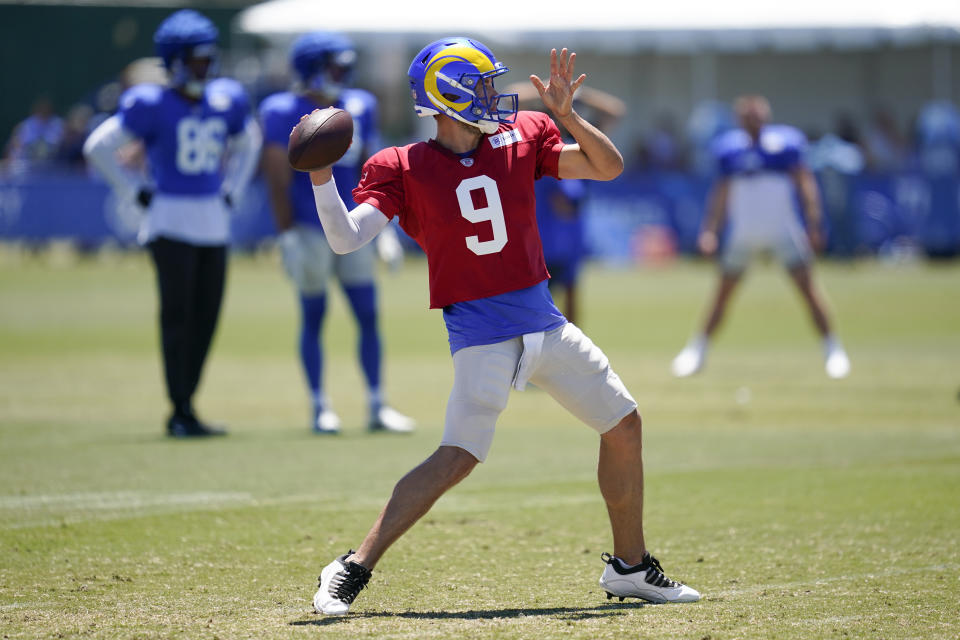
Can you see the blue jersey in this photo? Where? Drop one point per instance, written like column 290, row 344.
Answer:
column 281, row 112
column 780, row 149
column 761, row 202
column 186, row 140
column 559, row 220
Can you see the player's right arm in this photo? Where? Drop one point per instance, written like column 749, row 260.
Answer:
column 345, row 230
column 100, row 149
column 275, row 124
column 278, row 175
column 134, row 120
column 708, row 240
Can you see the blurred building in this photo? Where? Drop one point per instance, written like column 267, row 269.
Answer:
column 813, row 60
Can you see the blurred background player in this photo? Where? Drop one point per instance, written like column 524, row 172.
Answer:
column 559, row 202
column 762, row 169
column 35, row 142
column 202, row 147
column 323, row 65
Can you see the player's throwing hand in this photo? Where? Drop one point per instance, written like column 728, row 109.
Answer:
column 558, row 94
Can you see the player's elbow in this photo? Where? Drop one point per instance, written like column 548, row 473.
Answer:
column 611, row 169
column 340, row 246
column 89, row 147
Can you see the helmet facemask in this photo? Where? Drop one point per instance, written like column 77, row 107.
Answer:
column 455, row 77
column 330, row 76
column 475, row 101
column 193, row 68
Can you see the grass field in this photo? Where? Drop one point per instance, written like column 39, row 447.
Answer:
column 799, row 506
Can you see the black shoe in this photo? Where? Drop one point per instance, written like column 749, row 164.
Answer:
column 188, row 426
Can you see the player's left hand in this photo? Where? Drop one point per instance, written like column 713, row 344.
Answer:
column 817, row 241
column 557, row 94
column 389, row 248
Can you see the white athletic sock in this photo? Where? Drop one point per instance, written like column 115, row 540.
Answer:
column 375, row 396
column 320, row 400
column 830, row 343
column 699, row 342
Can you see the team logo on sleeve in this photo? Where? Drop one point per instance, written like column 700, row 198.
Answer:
column 506, row 138
column 220, row 101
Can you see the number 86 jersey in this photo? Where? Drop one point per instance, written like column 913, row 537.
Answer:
column 474, row 216
column 185, row 140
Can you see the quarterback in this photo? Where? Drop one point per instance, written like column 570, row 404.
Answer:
column 467, row 198
column 202, row 147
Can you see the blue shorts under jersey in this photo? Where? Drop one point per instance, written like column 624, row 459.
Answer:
column 498, row 318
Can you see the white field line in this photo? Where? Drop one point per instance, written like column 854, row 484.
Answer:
column 57, row 509
column 118, row 500
column 47, row 510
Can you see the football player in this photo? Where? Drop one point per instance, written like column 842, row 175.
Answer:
column 323, row 65
column 202, row 147
column 762, row 169
column 467, row 197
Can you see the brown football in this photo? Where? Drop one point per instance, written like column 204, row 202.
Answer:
column 320, row 139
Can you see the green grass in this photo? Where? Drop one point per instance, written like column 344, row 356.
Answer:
column 799, row 506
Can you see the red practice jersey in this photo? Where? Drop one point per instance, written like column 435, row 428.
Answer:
column 474, row 217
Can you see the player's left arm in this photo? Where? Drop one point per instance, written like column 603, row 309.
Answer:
column 243, row 155
column 594, row 156
column 806, row 184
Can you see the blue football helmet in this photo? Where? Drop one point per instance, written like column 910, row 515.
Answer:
column 323, row 62
column 449, row 76
column 184, row 36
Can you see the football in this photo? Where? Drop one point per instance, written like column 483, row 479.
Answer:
column 320, row 139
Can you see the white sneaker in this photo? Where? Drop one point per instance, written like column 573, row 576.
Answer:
column 389, row 419
column 689, row 361
column 326, row 422
column 837, row 364
column 340, row 582
column 645, row 581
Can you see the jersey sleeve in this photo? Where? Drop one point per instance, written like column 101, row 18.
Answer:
column 381, row 183
column 796, row 151
column 138, row 109
column 227, row 91
column 362, row 106
column 275, row 120
column 724, row 152
column 549, row 145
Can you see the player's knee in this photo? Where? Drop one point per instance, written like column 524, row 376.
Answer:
column 633, row 423
column 628, row 432
column 456, row 461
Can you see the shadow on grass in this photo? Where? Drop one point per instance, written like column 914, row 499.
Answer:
column 561, row 613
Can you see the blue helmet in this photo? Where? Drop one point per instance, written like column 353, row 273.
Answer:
column 323, row 62
column 448, row 76
column 186, row 34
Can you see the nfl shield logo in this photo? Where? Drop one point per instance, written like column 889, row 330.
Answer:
column 467, row 162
